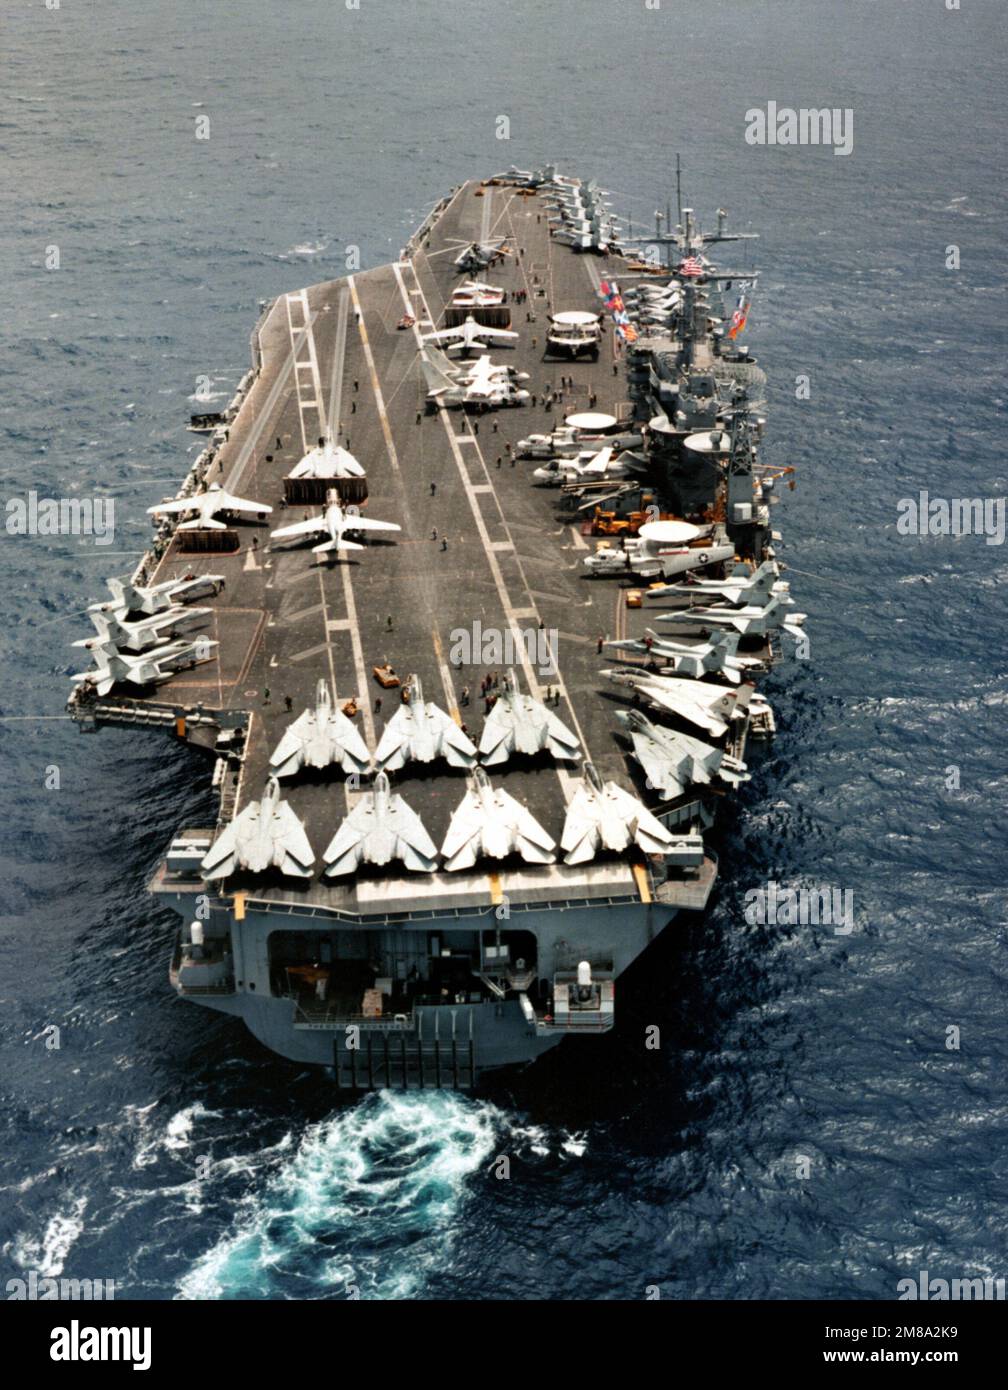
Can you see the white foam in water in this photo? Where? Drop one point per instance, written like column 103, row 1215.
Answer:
column 47, row 1255
column 369, row 1201
column 308, row 248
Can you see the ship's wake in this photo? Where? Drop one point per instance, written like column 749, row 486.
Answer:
column 365, row 1207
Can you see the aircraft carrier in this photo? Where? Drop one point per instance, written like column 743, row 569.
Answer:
column 554, row 637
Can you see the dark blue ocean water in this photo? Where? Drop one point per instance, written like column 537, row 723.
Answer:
column 628, row 1168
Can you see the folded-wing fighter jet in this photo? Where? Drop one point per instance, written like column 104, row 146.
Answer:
column 143, row 633
column 472, row 369
column 752, row 590
column 527, row 178
column 488, row 379
column 751, row 622
column 335, row 521
column 318, row 737
column 595, row 235
column 469, row 335
column 673, row 761
column 327, row 460
column 153, row 667
column 519, row 724
column 206, row 505
column 380, row 828
column 484, row 385
column 421, row 732
column 492, row 823
column 602, row 815
column 706, row 705
column 477, row 294
column 128, row 599
column 691, row 656
column 266, row 835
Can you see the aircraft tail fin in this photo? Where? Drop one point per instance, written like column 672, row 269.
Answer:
column 436, row 378
column 341, row 543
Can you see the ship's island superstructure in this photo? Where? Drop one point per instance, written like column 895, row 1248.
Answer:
column 466, row 757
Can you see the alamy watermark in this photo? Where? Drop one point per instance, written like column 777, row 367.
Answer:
column 41, row 1289
column 497, row 647
column 929, row 1290
column 806, row 125
column 775, row 903
column 925, row 515
column 61, row 516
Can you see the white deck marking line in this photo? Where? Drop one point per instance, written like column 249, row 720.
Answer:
column 376, row 386
column 358, row 654
column 304, row 654
column 259, row 422
column 485, row 219
column 579, row 540
column 325, row 633
column 300, row 298
column 336, row 375
column 567, row 783
column 447, row 682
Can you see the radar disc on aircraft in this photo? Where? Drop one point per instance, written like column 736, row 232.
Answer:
column 592, row 422
column 669, row 532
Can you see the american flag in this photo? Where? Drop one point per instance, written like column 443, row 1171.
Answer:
column 692, row 265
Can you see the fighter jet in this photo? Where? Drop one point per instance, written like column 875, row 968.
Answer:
column 750, row 622
column 266, row 835
column 206, row 505
column 327, row 460
column 476, row 371
column 128, row 600
column 468, row 369
column 668, row 295
column 476, row 294
column 597, row 234
column 708, row 706
column 420, row 731
column 144, row 633
column 334, row 520
column 380, row 828
column 318, row 737
column 492, row 823
column 577, row 196
column 602, row 815
column 153, row 667
column 469, row 335
column 527, row 178
column 672, row 761
column 691, row 656
column 739, row 591
column 486, row 385
column 519, row 724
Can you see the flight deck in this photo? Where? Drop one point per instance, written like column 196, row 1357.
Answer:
column 481, row 552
